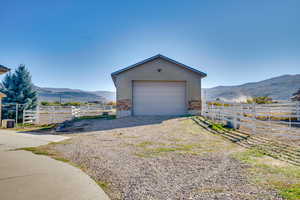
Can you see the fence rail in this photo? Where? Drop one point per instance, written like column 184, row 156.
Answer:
column 29, row 117
column 276, row 119
column 58, row 114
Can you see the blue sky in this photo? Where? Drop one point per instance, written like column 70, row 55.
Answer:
column 77, row 44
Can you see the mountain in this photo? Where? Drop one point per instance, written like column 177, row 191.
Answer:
column 110, row 96
column 278, row 88
column 75, row 95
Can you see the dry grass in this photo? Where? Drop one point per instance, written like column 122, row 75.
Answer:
column 170, row 159
column 271, row 173
column 33, row 127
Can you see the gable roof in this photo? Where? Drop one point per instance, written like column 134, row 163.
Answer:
column 162, row 57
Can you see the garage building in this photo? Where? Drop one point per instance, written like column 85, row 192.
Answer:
column 158, row 86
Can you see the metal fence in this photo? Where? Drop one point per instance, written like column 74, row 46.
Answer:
column 58, row 114
column 12, row 111
column 277, row 118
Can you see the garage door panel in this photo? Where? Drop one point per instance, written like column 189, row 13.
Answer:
column 158, row 98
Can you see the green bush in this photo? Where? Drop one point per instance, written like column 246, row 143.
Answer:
column 56, row 103
column 216, row 103
column 108, row 117
column 260, row 100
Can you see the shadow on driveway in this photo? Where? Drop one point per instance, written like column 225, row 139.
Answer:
column 91, row 125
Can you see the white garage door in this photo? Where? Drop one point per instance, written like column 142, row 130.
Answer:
column 158, row 98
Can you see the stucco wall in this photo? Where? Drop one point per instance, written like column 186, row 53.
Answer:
column 169, row 72
column 0, row 111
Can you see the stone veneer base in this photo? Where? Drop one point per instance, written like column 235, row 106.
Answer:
column 123, row 113
column 195, row 105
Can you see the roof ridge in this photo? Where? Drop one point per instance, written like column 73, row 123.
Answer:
column 154, row 57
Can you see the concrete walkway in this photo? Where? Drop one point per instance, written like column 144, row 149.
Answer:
column 26, row 176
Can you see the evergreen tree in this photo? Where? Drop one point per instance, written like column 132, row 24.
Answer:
column 18, row 89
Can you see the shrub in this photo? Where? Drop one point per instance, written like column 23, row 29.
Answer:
column 260, row 100
column 56, row 103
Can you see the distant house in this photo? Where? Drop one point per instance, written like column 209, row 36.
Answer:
column 3, row 70
column 158, row 86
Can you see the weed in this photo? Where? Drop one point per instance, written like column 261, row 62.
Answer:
column 249, row 155
column 129, row 136
column 219, row 127
column 103, row 185
column 35, row 150
column 275, row 174
column 175, row 139
column 42, row 151
column 67, row 141
column 291, row 192
column 61, row 159
column 34, row 127
column 108, row 117
column 181, row 148
column 144, row 144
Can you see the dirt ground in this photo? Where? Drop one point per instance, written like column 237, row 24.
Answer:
column 160, row 158
column 277, row 131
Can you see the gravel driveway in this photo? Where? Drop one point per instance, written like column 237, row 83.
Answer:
column 160, row 158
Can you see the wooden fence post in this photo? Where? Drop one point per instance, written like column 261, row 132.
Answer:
column 240, row 116
column 234, row 116
column 23, row 117
column 53, row 114
column 253, row 118
column 222, row 113
column 212, row 112
column 269, row 118
column 37, row 115
column 17, row 107
column 290, row 120
column 298, row 110
column 72, row 112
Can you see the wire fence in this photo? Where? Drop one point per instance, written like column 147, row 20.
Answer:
column 13, row 111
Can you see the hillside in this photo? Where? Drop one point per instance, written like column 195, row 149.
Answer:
column 278, row 88
column 108, row 95
column 66, row 94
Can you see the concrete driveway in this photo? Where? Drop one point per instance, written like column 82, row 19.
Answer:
column 24, row 175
